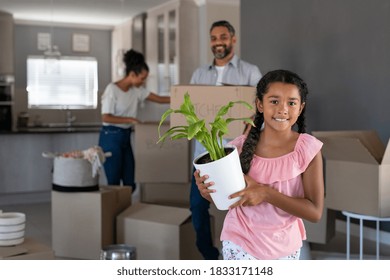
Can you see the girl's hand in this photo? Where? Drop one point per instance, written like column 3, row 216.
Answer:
column 254, row 193
column 202, row 186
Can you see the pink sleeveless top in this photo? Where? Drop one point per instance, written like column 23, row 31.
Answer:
column 265, row 231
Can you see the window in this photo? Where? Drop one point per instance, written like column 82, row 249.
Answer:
column 64, row 83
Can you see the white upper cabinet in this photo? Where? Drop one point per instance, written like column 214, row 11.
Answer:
column 172, row 44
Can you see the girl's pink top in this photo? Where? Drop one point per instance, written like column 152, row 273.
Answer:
column 265, row 231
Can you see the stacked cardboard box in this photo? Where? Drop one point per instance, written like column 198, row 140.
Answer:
column 159, row 225
column 323, row 231
column 163, row 171
column 158, row 232
column 84, row 222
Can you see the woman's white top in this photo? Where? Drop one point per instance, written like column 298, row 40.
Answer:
column 122, row 103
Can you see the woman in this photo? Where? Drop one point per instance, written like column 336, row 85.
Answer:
column 120, row 102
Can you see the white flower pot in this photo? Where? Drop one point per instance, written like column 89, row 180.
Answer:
column 227, row 176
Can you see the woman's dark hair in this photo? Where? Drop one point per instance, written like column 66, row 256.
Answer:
column 251, row 141
column 134, row 62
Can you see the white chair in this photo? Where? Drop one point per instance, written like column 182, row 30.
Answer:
column 361, row 219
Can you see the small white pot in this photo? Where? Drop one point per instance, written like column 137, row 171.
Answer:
column 227, row 176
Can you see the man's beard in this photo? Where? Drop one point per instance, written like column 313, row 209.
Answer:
column 220, row 55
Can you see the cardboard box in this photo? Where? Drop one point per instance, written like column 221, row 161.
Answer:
column 156, row 163
column 208, row 100
column 169, row 194
column 84, row 222
column 323, row 231
column 30, row 249
column 158, row 232
column 357, row 172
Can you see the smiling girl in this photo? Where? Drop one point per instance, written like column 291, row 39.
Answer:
column 283, row 173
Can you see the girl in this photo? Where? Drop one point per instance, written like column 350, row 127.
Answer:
column 120, row 102
column 283, row 173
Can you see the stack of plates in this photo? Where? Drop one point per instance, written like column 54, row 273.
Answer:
column 12, row 227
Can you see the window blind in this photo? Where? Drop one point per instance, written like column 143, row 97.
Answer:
column 64, row 83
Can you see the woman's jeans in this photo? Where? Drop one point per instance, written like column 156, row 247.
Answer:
column 120, row 166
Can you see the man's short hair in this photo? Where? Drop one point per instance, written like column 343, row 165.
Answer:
column 225, row 24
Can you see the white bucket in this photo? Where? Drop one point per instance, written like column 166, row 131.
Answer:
column 73, row 174
column 227, row 176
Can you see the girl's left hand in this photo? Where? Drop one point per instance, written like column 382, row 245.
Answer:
column 254, row 193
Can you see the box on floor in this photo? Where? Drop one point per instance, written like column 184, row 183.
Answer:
column 158, row 232
column 208, row 100
column 156, row 163
column 323, row 231
column 357, row 172
column 170, row 194
column 30, row 249
column 84, row 222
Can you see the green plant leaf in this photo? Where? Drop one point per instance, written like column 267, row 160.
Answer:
column 211, row 139
column 247, row 120
column 194, row 128
column 220, row 125
column 172, row 131
column 163, row 118
column 187, row 105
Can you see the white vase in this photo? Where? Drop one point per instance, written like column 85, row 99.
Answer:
column 227, row 176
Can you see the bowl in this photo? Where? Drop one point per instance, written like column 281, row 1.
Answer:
column 12, row 218
column 118, row 252
column 12, row 228
column 11, row 242
column 11, row 235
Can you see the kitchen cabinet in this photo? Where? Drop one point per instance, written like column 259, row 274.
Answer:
column 22, row 167
column 172, row 44
column 6, row 43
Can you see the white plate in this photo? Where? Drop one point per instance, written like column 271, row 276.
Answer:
column 12, row 218
column 12, row 235
column 12, row 228
column 11, row 242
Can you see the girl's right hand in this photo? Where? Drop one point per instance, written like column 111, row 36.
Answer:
column 253, row 194
column 203, row 186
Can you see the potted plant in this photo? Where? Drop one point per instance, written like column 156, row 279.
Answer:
column 220, row 162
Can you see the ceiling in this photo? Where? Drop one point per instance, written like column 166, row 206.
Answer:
column 99, row 13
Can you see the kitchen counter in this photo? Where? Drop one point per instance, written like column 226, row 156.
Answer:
column 24, row 169
column 57, row 128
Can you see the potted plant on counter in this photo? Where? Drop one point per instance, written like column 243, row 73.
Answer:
column 220, row 162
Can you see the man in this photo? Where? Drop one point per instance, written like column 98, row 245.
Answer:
column 226, row 69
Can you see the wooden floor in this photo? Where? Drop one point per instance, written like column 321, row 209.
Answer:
column 38, row 226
